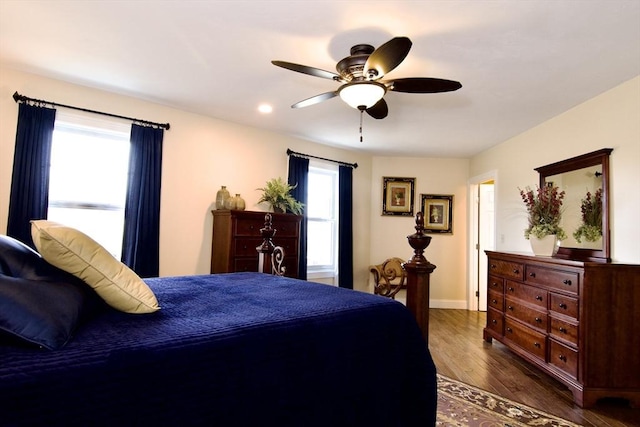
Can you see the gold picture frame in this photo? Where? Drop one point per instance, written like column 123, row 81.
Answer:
column 437, row 210
column 398, row 196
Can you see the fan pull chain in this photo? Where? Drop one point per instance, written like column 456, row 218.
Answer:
column 361, row 113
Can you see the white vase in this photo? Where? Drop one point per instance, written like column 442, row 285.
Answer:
column 547, row 246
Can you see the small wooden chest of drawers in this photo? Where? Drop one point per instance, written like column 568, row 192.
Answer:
column 236, row 234
column 577, row 321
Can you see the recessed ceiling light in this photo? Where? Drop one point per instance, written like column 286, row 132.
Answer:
column 265, row 108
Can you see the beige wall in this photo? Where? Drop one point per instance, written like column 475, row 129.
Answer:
column 200, row 155
column 446, row 251
column 611, row 120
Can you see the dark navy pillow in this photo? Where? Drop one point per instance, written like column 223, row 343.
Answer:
column 40, row 304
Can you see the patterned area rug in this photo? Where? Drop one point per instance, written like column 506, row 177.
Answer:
column 460, row 404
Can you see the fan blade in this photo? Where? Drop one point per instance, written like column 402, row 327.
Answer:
column 423, row 85
column 379, row 110
column 387, row 57
column 307, row 70
column 315, row 99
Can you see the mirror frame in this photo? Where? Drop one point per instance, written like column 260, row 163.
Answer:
column 596, row 158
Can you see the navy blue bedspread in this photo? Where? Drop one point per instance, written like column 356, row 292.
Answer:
column 240, row 349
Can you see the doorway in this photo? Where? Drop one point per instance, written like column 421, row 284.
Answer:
column 482, row 236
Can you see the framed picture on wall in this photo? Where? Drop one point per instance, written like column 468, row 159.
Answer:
column 398, row 196
column 437, row 210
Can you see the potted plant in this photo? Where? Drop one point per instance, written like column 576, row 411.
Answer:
column 591, row 209
column 277, row 193
column 544, row 207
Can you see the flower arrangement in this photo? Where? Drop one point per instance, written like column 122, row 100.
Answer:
column 591, row 208
column 277, row 193
column 545, row 211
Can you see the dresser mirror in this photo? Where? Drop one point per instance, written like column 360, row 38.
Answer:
column 577, row 176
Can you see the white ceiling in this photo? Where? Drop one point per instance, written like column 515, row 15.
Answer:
column 520, row 62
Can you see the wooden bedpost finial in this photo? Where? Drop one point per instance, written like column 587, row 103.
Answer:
column 267, row 233
column 418, row 271
column 419, row 241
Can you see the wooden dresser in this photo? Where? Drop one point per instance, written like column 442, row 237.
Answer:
column 236, row 234
column 577, row 321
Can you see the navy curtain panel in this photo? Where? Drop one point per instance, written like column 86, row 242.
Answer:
column 299, row 176
column 345, row 227
column 141, row 241
column 29, row 196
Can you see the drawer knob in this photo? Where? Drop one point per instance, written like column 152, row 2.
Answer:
column 567, row 282
column 515, row 271
column 539, row 297
column 509, row 329
column 539, row 320
column 563, row 305
column 494, row 321
column 563, row 358
column 511, row 289
column 493, row 266
column 563, row 330
column 494, row 301
column 532, row 274
column 536, row 344
column 510, row 307
column 494, row 284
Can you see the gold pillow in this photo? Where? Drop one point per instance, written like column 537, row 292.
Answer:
column 76, row 253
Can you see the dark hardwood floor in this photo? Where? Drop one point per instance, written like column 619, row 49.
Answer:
column 459, row 352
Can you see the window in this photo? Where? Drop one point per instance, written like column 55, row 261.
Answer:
column 322, row 215
column 88, row 177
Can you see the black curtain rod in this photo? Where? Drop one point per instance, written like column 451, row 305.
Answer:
column 21, row 98
column 291, row 152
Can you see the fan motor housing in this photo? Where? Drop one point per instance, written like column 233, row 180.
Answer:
column 351, row 67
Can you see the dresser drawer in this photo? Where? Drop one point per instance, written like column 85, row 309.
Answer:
column 290, row 246
column 248, row 227
column 529, row 294
column 495, row 300
column 526, row 314
column 286, row 228
column 496, row 284
column 564, row 331
column 533, row 342
column 246, row 247
column 245, row 264
column 495, row 321
column 564, row 305
column 512, row 270
column 556, row 279
column 564, row 358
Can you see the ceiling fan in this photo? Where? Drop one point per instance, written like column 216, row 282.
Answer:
column 361, row 72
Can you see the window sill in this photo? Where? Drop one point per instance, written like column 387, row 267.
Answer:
column 321, row 274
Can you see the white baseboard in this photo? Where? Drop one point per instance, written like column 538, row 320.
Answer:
column 437, row 303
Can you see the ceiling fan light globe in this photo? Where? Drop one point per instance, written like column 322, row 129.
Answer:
column 359, row 94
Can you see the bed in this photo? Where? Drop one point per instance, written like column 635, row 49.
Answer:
column 237, row 349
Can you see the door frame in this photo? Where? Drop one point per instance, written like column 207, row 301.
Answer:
column 473, row 281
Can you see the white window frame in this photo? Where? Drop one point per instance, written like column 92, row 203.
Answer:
column 329, row 271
